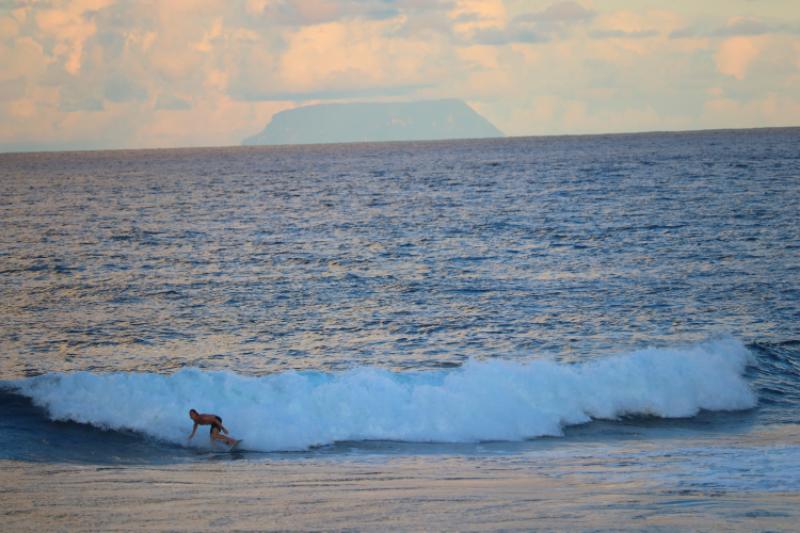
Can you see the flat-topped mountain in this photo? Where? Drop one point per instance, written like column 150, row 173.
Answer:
column 372, row 122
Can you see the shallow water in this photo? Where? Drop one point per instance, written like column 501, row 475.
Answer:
column 579, row 489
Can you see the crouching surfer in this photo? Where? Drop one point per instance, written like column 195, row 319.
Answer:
column 216, row 427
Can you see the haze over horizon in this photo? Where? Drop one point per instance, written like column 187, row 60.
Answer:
column 92, row 74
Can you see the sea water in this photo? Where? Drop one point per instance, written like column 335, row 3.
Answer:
column 620, row 305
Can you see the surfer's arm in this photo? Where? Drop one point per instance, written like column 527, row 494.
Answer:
column 223, row 428
column 194, row 429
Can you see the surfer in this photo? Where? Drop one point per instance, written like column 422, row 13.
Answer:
column 216, row 426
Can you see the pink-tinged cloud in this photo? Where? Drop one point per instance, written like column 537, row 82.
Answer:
column 735, row 55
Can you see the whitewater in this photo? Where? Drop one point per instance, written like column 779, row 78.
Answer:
column 481, row 401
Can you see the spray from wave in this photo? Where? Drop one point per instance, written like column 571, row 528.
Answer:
column 482, row 400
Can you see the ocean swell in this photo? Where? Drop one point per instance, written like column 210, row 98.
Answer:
column 480, row 401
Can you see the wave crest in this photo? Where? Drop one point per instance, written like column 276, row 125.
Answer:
column 482, row 400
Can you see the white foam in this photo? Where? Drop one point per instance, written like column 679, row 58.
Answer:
column 483, row 400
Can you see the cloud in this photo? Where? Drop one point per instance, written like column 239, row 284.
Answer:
column 567, row 12
column 686, row 32
column 342, row 60
column 73, row 103
column 432, row 20
column 537, row 27
column 619, row 34
column 68, row 28
column 769, row 108
column 12, row 89
column 312, row 12
column 738, row 26
column 172, row 103
column 745, row 26
column 735, row 56
column 515, row 33
column 243, row 93
column 120, row 88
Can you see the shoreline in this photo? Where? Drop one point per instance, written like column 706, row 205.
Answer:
column 408, row 493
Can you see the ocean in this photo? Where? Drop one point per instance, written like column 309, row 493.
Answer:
column 612, row 319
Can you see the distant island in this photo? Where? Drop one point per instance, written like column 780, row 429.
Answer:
column 374, row 122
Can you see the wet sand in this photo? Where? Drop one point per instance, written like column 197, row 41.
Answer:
column 414, row 493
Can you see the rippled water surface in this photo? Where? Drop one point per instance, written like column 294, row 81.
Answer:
column 402, row 256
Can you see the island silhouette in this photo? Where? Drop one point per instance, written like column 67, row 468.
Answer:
column 375, row 122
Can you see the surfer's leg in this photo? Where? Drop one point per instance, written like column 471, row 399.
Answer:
column 227, row 440
column 215, row 434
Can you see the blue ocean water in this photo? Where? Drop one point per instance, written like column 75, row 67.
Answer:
column 463, row 297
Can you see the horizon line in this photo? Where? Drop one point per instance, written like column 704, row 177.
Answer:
column 503, row 137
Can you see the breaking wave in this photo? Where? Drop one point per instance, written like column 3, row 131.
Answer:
column 481, row 401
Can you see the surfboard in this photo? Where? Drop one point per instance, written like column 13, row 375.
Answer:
column 218, row 448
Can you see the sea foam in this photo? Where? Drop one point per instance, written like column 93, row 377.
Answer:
column 482, row 400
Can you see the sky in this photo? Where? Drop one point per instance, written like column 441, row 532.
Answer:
column 92, row 74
